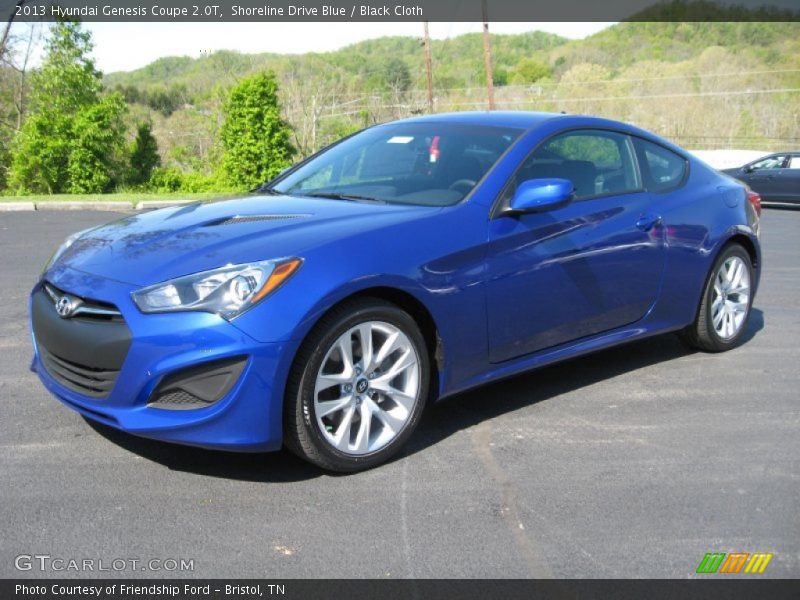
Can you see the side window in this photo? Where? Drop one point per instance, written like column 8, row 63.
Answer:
column 662, row 169
column 794, row 162
column 596, row 162
column 772, row 162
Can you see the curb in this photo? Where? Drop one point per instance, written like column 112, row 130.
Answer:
column 113, row 205
column 14, row 206
column 152, row 204
column 84, row 205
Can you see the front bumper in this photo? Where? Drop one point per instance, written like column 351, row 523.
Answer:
column 247, row 418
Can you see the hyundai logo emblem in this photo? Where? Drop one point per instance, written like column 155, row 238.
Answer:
column 65, row 307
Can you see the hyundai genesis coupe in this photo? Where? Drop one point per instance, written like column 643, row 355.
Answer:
column 406, row 263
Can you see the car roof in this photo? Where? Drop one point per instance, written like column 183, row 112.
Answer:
column 529, row 120
column 496, row 118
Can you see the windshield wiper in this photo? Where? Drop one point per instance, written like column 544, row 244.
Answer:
column 336, row 196
column 266, row 189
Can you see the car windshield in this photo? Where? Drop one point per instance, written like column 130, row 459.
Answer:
column 431, row 164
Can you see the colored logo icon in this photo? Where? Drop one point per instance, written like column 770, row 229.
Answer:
column 734, row 562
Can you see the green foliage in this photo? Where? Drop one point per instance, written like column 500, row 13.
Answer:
column 5, row 163
column 166, row 179
column 170, row 180
column 630, row 70
column 500, row 76
column 68, row 78
column 255, row 139
column 164, row 99
column 528, row 70
column 144, row 155
column 40, row 157
column 379, row 65
column 391, row 76
column 95, row 162
column 72, row 140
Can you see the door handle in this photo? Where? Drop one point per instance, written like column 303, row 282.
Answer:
column 647, row 222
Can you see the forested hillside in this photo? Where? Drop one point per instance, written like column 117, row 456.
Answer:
column 703, row 85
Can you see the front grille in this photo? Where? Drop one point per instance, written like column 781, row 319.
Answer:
column 80, row 378
column 83, row 352
column 87, row 309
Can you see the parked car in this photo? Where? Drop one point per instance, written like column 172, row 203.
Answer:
column 327, row 309
column 775, row 177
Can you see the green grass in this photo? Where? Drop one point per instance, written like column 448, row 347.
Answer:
column 132, row 197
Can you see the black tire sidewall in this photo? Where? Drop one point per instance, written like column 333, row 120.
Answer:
column 720, row 342
column 378, row 311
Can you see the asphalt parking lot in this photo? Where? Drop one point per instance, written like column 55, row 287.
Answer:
column 633, row 462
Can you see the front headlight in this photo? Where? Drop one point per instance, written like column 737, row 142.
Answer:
column 65, row 246
column 227, row 291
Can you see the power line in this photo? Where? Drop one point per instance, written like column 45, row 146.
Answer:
column 687, row 76
column 359, row 109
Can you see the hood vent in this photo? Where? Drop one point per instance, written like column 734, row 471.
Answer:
column 253, row 218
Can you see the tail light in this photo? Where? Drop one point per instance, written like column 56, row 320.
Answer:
column 755, row 201
column 433, row 151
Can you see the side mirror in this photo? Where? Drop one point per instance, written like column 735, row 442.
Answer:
column 748, row 168
column 541, row 195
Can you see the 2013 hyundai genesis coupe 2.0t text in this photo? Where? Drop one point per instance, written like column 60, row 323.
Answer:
column 406, row 263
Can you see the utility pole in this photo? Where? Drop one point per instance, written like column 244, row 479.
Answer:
column 428, row 71
column 487, row 56
column 313, row 124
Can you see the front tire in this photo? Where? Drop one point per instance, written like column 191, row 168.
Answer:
column 357, row 387
column 724, row 310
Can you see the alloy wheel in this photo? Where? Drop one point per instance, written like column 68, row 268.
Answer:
column 366, row 387
column 730, row 297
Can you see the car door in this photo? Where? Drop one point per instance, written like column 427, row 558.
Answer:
column 589, row 267
column 788, row 181
column 763, row 175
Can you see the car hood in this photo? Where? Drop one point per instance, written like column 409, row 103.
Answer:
column 160, row 245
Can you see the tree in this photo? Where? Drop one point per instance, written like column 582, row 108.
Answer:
column 256, row 141
column 96, row 158
column 144, row 155
column 398, row 77
column 16, row 51
column 73, row 137
column 68, row 79
column 528, row 70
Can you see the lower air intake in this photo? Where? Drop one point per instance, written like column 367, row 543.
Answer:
column 199, row 386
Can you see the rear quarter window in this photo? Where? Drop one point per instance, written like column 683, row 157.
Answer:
column 662, row 169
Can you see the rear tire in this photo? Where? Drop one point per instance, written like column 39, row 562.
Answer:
column 724, row 310
column 357, row 388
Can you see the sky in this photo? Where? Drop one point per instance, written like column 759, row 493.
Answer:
column 128, row 46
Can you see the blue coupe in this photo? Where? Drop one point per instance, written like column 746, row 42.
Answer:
column 406, row 263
